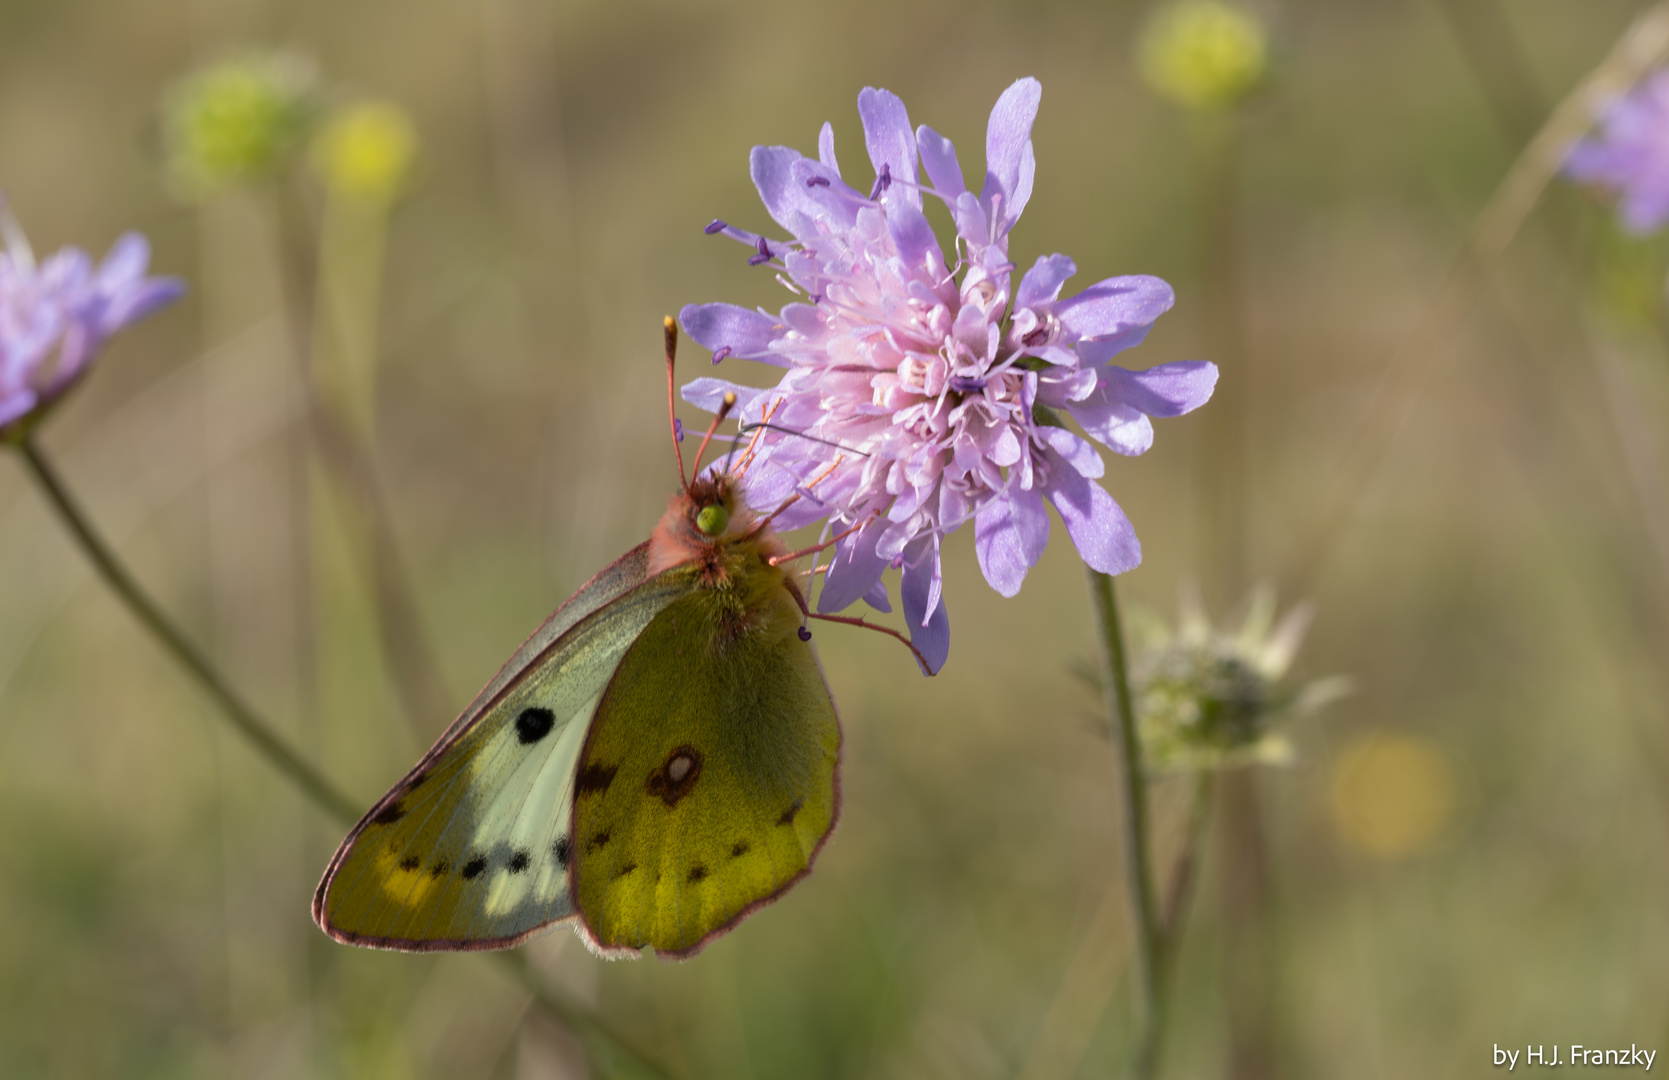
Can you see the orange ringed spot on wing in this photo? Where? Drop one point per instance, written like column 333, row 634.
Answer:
column 676, row 776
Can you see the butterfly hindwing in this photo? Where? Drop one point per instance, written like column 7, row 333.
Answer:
column 709, row 778
column 471, row 850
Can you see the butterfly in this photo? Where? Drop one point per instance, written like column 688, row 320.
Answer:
column 659, row 760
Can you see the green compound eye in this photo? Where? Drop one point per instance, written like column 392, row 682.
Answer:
column 712, row 519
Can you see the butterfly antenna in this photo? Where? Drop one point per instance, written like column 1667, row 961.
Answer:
column 766, row 425
column 671, row 400
column 724, row 411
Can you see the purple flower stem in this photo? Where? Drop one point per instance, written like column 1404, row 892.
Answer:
column 1138, row 855
column 265, row 739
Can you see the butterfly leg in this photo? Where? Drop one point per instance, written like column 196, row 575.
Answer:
column 805, row 609
column 778, row 560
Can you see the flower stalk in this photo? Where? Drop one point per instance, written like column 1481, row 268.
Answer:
column 261, row 735
column 1138, row 854
column 595, row 1034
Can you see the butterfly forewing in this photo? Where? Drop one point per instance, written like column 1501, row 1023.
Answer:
column 472, row 848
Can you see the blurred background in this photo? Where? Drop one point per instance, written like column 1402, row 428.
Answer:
column 1469, row 850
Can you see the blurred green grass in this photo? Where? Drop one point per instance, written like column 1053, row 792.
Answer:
column 1496, row 595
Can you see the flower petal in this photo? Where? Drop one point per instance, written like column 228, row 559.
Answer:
column 1122, row 428
column 891, row 143
column 1103, row 535
column 1010, row 533
column 125, row 263
column 825, row 148
column 854, row 570
column 707, row 393
column 1113, row 315
column 1043, row 281
column 938, row 157
column 924, row 608
column 17, row 404
column 1009, row 160
column 1163, row 390
column 784, row 197
column 1074, row 451
column 876, row 597
column 139, row 300
column 747, row 334
column 913, row 235
column 1644, row 207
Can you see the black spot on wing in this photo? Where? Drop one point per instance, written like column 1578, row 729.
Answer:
column 389, row 814
column 787, row 817
column 534, row 724
column 411, row 862
column 563, row 849
column 624, row 870
column 740, row 848
column 518, row 861
column 474, row 867
column 596, row 778
column 697, row 873
column 440, row 869
column 599, row 839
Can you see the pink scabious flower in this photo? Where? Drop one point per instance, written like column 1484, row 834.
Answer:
column 1631, row 154
column 920, row 393
column 54, row 317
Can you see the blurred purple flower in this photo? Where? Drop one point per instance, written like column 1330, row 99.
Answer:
column 928, row 398
column 1631, row 154
column 55, row 316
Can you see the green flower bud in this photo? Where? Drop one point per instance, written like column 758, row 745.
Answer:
column 236, row 121
column 1207, row 700
column 1203, row 54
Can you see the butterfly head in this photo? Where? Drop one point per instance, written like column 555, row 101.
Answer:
column 713, row 519
column 709, row 525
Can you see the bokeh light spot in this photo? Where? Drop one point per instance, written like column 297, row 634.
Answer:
column 1392, row 796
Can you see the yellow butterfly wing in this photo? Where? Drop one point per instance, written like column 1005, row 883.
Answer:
column 709, row 779
column 471, row 849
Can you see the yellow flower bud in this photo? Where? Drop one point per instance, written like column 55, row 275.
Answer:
column 236, row 121
column 1204, row 54
column 366, row 151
